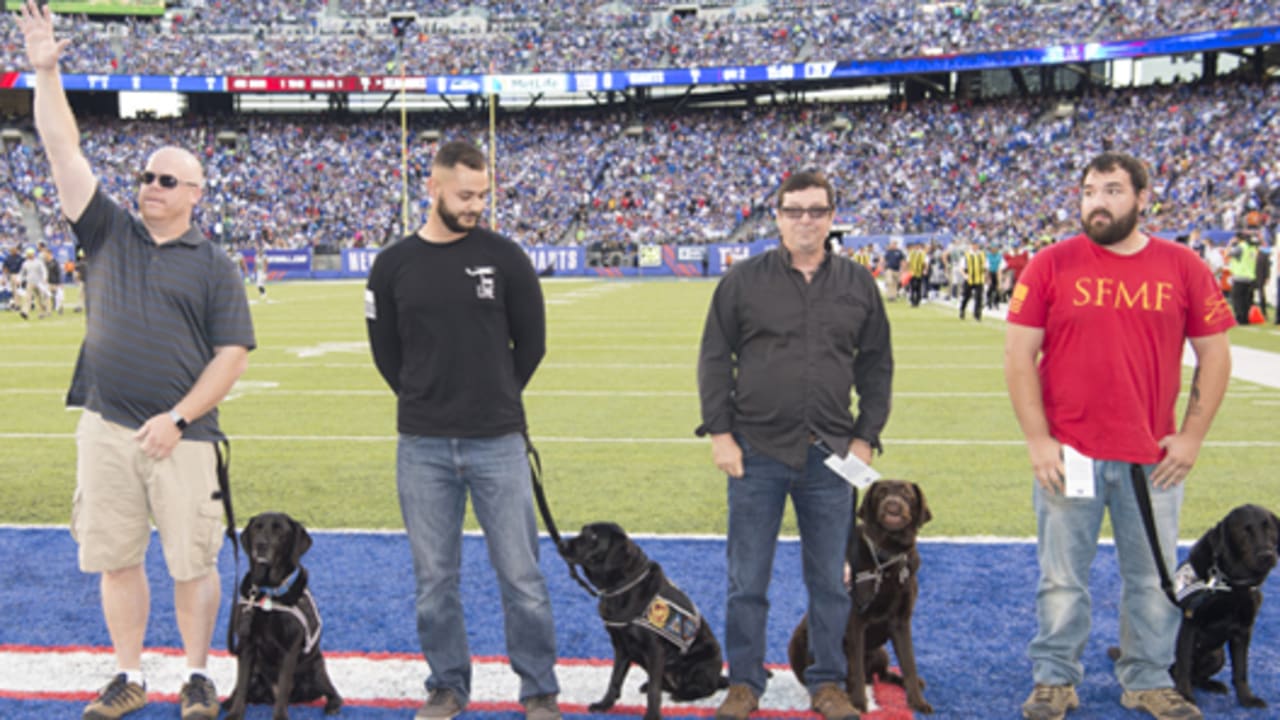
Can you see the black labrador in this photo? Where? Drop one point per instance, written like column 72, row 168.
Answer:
column 882, row 550
column 651, row 622
column 1219, row 591
column 275, row 625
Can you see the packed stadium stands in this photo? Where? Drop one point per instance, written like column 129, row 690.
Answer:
column 248, row 37
column 1002, row 170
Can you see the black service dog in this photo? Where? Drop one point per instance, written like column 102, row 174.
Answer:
column 1218, row 589
column 882, row 550
column 275, row 625
column 651, row 622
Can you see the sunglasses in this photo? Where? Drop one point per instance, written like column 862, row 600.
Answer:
column 168, row 182
column 795, row 213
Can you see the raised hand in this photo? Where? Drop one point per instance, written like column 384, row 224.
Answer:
column 36, row 24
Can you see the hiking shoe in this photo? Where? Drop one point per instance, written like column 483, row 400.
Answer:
column 738, row 704
column 199, row 699
column 1050, row 702
column 1162, row 703
column 116, row 699
column 833, row 703
column 541, row 707
column 441, row 704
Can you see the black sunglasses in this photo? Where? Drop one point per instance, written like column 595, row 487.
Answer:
column 168, row 182
column 795, row 213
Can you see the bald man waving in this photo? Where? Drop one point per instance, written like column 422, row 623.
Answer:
column 168, row 334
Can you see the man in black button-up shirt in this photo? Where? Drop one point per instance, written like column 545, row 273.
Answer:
column 789, row 335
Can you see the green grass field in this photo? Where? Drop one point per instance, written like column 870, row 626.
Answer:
column 612, row 410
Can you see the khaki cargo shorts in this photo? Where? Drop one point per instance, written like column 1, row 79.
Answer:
column 120, row 491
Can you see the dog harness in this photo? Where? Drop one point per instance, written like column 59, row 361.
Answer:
column 669, row 614
column 304, row 611
column 1192, row 590
column 876, row 576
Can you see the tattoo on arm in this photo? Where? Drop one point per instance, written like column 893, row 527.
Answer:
column 1193, row 401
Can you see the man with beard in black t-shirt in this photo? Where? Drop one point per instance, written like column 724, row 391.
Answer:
column 457, row 327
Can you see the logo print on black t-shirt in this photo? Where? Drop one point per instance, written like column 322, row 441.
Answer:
column 484, row 282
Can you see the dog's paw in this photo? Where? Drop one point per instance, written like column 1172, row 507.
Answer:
column 602, row 705
column 333, row 705
column 1212, row 686
column 919, row 704
column 653, row 715
column 1252, row 701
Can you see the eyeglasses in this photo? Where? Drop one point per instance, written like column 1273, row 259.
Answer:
column 168, row 182
column 795, row 213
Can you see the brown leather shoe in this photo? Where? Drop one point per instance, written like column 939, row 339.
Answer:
column 738, row 704
column 832, row 702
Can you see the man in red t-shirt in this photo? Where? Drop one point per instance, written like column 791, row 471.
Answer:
column 1093, row 361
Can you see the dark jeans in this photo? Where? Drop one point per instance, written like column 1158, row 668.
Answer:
column 974, row 291
column 993, row 291
column 823, row 504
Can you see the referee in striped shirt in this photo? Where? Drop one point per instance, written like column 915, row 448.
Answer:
column 975, row 279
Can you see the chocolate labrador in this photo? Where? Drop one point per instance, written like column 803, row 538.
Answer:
column 651, row 622
column 1218, row 589
column 882, row 550
column 275, row 626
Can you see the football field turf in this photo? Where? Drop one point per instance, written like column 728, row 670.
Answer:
column 612, row 410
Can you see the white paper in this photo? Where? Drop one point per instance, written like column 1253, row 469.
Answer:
column 1079, row 473
column 856, row 472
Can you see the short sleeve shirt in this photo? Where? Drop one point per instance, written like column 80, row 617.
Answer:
column 1114, row 328
column 156, row 312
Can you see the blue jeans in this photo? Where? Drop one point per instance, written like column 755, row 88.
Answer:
column 433, row 475
column 1067, row 544
column 824, row 512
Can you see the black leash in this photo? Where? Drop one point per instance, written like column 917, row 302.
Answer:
column 1139, row 477
column 223, row 451
column 539, row 495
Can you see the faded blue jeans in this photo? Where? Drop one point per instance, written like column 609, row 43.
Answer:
column 824, row 512
column 1067, row 544
column 433, row 475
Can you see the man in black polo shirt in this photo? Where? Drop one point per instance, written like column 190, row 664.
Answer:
column 789, row 334
column 168, row 336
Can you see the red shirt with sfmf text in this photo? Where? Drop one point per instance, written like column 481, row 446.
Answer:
column 1114, row 329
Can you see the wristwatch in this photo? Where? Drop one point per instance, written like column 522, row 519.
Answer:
column 178, row 420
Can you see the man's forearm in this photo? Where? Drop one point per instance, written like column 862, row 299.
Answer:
column 219, row 376
column 1208, row 387
column 55, row 123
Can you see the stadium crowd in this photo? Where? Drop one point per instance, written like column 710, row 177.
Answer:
column 246, row 37
column 993, row 171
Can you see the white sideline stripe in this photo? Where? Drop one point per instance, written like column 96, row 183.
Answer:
column 1260, row 397
column 629, row 441
column 706, row 537
column 357, row 677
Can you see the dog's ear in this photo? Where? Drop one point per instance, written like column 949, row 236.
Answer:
column 246, row 535
column 867, row 511
column 922, row 509
column 1275, row 523
column 301, row 542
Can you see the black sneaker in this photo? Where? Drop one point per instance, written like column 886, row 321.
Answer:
column 199, row 699
column 117, row 699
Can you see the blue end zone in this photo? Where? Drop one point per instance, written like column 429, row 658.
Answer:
column 972, row 624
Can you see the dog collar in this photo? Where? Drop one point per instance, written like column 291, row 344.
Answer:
column 279, row 590
column 626, row 586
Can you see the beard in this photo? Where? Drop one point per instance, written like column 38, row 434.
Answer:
column 1113, row 232
column 457, row 222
